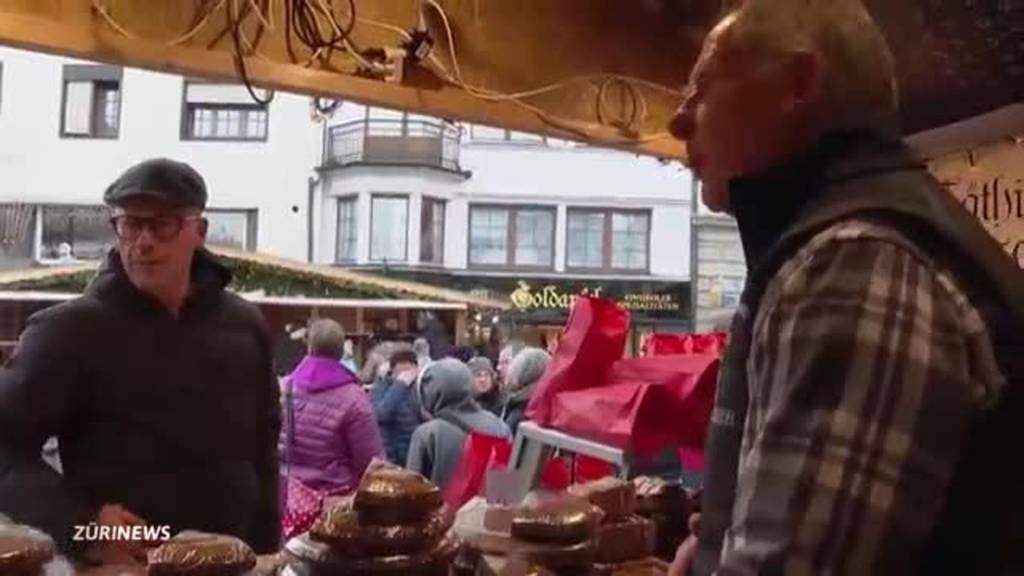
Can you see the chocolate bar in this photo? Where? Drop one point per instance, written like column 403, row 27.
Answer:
column 392, row 497
column 654, row 496
column 24, row 550
column 568, row 520
column 629, row 539
column 305, row 556
column 557, row 557
column 616, row 497
column 339, row 526
column 192, row 553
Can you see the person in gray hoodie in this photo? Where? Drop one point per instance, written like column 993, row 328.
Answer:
column 445, row 394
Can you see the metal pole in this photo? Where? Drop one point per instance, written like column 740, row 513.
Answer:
column 694, row 272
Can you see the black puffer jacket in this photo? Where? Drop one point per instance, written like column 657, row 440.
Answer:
column 175, row 419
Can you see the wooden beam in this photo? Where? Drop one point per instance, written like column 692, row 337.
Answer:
column 72, row 28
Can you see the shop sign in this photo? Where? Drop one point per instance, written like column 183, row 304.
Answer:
column 989, row 183
column 552, row 297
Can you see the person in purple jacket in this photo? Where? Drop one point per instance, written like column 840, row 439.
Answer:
column 330, row 433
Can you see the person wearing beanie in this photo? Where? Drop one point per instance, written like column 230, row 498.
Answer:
column 486, row 391
column 157, row 382
column 523, row 373
column 445, row 395
column 395, row 404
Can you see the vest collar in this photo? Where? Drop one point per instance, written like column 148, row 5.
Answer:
column 768, row 203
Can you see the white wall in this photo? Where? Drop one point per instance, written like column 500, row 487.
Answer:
column 37, row 165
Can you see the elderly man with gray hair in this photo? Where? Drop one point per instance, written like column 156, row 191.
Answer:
column 870, row 400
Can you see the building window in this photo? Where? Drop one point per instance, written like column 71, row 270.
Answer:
column 347, row 231
column 512, row 237
column 222, row 112
column 17, row 234
column 232, row 228
column 92, row 102
column 389, row 228
column 386, row 122
column 75, row 233
column 481, row 133
column 607, row 240
column 432, row 231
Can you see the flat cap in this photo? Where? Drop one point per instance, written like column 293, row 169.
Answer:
column 175, row 183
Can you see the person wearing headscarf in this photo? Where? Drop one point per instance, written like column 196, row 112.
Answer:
column 523, row 373
column 486, row 391
column 445, row 393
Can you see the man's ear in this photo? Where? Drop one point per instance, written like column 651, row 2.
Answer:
column 805, row 76
column 202, row 228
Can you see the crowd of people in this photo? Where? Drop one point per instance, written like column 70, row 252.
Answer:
column 406, row 405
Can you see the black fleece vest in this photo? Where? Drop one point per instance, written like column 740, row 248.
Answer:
column 851, row 176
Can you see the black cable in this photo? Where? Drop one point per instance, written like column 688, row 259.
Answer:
column 306, row 26
column 235, row 24
column 328, row 109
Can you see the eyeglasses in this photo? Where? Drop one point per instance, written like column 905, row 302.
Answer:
column 163, row 228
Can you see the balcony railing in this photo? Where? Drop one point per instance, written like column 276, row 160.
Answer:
column 395, row 142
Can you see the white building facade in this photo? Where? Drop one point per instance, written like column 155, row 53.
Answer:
column 404, row 194
column 69, row 128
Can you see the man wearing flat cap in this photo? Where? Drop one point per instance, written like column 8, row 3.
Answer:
column 157, row 383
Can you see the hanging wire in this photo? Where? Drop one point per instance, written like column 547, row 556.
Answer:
column 235, row 24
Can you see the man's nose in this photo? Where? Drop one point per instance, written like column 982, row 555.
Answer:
column 146, row 239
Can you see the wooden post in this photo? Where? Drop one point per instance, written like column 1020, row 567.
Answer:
column 461, row 318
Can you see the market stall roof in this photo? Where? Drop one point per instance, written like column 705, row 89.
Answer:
column 551, row 66
column 40, row 296
column 275, row 280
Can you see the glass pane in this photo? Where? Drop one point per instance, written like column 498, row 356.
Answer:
column 107, row 108
column 488, row 236
column 480, row 132
column 234, row 123
column 202, row 123
column 533, row 237
column 390, row 225
column 78, row 108
column 384, row 122
column 256, row 124
column 586, row 240
column 17, row 235
column 76, row 232
column 629, row 241
column 526, row 137
column 346, row 250
column 432, row 232
column 228, row 229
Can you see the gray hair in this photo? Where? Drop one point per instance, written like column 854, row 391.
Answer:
column 526, row 368
column 859, row 84
column 513, row 347
column 326, row 339
column 421, row 347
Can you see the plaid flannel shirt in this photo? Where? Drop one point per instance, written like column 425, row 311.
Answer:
column 867, row 363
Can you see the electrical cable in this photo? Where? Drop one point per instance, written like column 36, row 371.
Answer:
column 201, row 22
column 315, row 24
column 236, row 24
